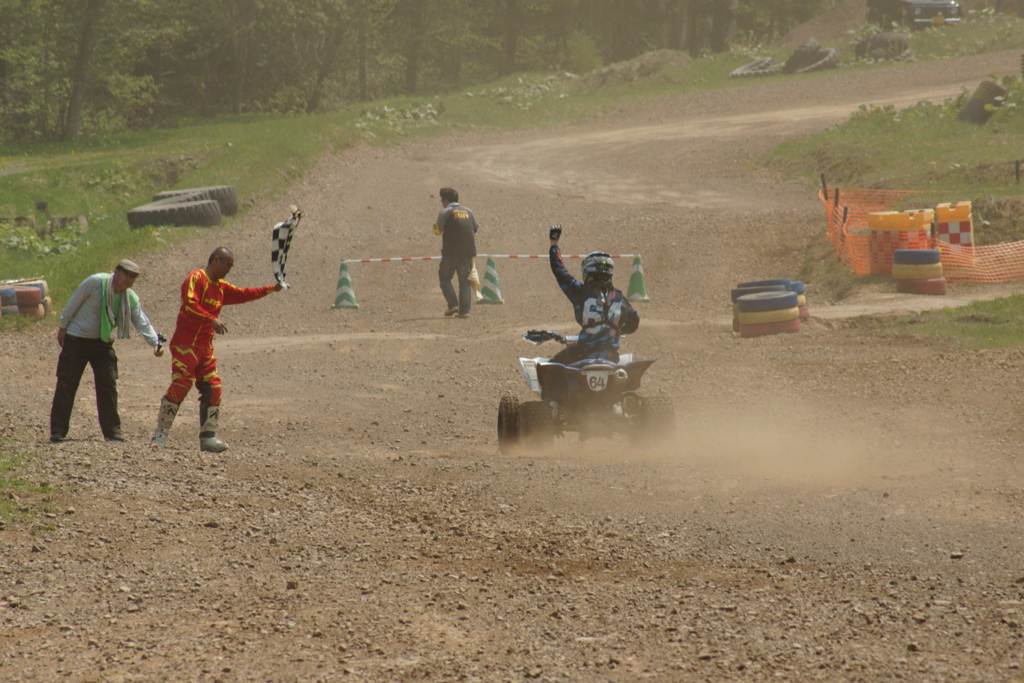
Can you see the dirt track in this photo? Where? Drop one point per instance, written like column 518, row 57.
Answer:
column 837, row 506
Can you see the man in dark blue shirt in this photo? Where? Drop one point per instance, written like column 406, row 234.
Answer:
column 602, row 311
column 457, row 226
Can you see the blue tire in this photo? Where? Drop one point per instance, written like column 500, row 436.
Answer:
column 760, row 283
column 767, row 301
column 8, row 298
column 797, row 287
column 917, row 256
column 740, row 291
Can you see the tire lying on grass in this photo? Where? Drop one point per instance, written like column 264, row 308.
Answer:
column 802, row 56
column 824, row 59
column 185, row 209
column 224, row 195
column 986, row 93
column 765, row 66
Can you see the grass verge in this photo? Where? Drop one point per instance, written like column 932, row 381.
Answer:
column 992, row 324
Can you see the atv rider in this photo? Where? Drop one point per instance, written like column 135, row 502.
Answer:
column 601, row 310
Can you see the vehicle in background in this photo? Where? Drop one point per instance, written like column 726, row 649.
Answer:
column 914, row 13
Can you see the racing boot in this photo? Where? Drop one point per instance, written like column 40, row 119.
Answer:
column 208, row 418
column 164, row 420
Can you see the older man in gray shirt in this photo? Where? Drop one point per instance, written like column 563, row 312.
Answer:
column 102, row 302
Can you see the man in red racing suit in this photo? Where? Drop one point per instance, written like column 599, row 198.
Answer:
column 203, row 294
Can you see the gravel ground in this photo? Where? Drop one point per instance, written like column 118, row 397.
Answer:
column 837, row 504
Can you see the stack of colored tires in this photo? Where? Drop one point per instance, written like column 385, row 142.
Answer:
column 764, row 313
column 754, row 287
column 801, row 299
column 918, row 271
column 29, row 299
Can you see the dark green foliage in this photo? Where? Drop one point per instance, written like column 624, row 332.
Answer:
column 97, row 67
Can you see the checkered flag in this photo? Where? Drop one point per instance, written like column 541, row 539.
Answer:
column 281, row 241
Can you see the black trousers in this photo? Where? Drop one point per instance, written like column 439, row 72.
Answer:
column 449, row 267
column 78, row 352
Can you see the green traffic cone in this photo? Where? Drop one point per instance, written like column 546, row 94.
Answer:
column 637, row 290
column 491, row 291
column 345, row 297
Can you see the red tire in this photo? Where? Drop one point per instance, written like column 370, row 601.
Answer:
column 28, row 297
column 748, row 331
column 38, row 311
column 933, row 286
column 805, row 313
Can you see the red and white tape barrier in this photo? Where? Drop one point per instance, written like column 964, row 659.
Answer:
column 438, row 258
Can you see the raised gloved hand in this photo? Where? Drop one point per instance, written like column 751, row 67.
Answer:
column 541, row 336
column 555, row 232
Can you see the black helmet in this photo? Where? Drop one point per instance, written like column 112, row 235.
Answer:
column 598, row 264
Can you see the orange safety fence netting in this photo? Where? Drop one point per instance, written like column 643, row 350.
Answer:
column 868, row 252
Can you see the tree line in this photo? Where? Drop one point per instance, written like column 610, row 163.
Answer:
column 73, row 67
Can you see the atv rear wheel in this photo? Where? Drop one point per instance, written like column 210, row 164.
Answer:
column 536, row 424
column 508, row 423
column 655, row 420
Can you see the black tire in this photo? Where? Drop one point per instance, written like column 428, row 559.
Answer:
column 825, row 59
column 166, row 212
column 892, row 44
column 974, row 111
column 655, row 421
column 916, row 256
column 225, row 195
column 536, row 426
column 804, row 55
column 759, row 67
column 508, row 423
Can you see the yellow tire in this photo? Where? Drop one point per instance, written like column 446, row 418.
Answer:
column 801, row 300
column 780, row 315
column 916, row 271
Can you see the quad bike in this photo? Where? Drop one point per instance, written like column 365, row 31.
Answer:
column 592, row 397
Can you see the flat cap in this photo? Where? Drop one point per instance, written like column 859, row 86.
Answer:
column 129, row 266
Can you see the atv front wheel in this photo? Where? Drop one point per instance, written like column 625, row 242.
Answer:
column 536, row 424
column 508, row 423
